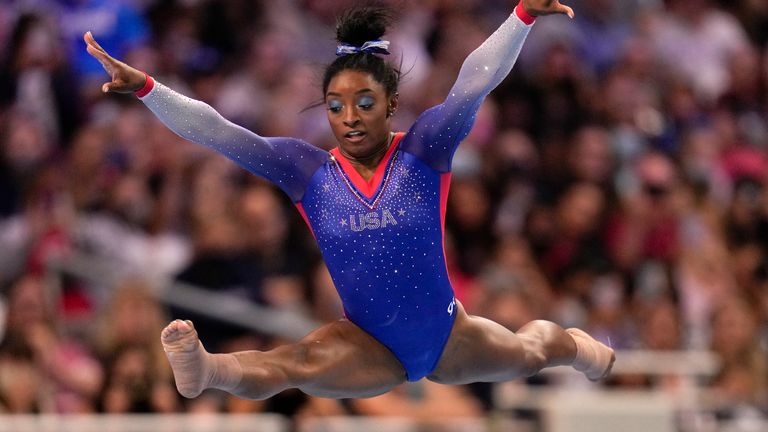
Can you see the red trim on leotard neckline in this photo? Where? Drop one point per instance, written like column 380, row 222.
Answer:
column 524, row 16
column 367, row 187
column 148, row 86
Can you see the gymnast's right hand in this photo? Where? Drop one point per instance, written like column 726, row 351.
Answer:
column 125, row 79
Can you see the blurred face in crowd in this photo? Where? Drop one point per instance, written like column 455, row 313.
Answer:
column 513, row 155
column 359, row 114
column 733, row 328
column 262, row 216
column 38, row 47
column 591, row 157
column 27, row 303
column 579, row 210
column 25, row 143
column 660, row 327
column 469, row 204
column 134, row 314
column 657, row 176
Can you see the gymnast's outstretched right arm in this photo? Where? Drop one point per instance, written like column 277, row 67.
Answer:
column 287, row 162
column 438, row 131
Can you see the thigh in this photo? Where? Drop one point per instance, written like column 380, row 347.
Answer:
column 340, row 360
column 479, row 350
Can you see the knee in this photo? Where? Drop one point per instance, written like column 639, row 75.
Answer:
column 534, row 356
column 545, row 333
column 539, row 326
column 542, row 342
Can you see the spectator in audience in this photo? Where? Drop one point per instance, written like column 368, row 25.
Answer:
column 646, row 225
column 741, row 381
column 35, row 79
column 132, row 385
column 69, row 375
column 22, row 386
column 695, row 40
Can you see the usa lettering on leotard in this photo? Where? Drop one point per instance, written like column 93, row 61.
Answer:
column 371, row 221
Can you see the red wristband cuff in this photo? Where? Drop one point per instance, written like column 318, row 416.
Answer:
column 524, row 16
column 148, row 85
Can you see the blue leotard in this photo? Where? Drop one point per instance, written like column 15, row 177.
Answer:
column 382, row 239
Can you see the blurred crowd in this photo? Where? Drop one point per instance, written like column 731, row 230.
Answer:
column 616, row 181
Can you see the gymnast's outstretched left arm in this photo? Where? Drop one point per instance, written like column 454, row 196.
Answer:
column 289, row 163
column 437, row 133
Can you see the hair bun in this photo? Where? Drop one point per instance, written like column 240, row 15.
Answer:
column 362, row 24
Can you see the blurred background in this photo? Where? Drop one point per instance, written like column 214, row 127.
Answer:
column 615, row 181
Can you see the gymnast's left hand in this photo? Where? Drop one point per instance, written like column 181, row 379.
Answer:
column 125, row 79
column 546, row 7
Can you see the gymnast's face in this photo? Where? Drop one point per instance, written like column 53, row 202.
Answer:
column 359, row 112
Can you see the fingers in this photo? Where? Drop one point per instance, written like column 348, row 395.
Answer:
column 96, row 44
column 91, row 41
column 88, row 37
column 563, row 9
column 107, row 62
column 95, row 49
column 124, row 79
column 547, row 7
column 103, row 58
column 95, row 52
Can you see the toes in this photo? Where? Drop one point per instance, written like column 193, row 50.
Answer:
column 180, row 325
column 183, row 325
column 177, row 329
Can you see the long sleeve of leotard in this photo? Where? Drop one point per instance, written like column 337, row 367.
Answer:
column 436, row 134
column 287, row 162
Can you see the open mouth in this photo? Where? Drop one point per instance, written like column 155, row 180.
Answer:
column 355, row 136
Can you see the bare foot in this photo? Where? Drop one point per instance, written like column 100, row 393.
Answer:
column 191, row 363
column 593, row 358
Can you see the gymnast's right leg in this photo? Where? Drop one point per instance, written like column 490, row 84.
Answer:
column 479, row 349
column 338, row 360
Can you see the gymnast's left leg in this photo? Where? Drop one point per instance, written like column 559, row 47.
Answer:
column 480, row 350
column 338, row 360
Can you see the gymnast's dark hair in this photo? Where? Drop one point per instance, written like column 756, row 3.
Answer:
column 355, row 27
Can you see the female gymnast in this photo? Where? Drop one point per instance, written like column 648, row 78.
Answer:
column 376, row 206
